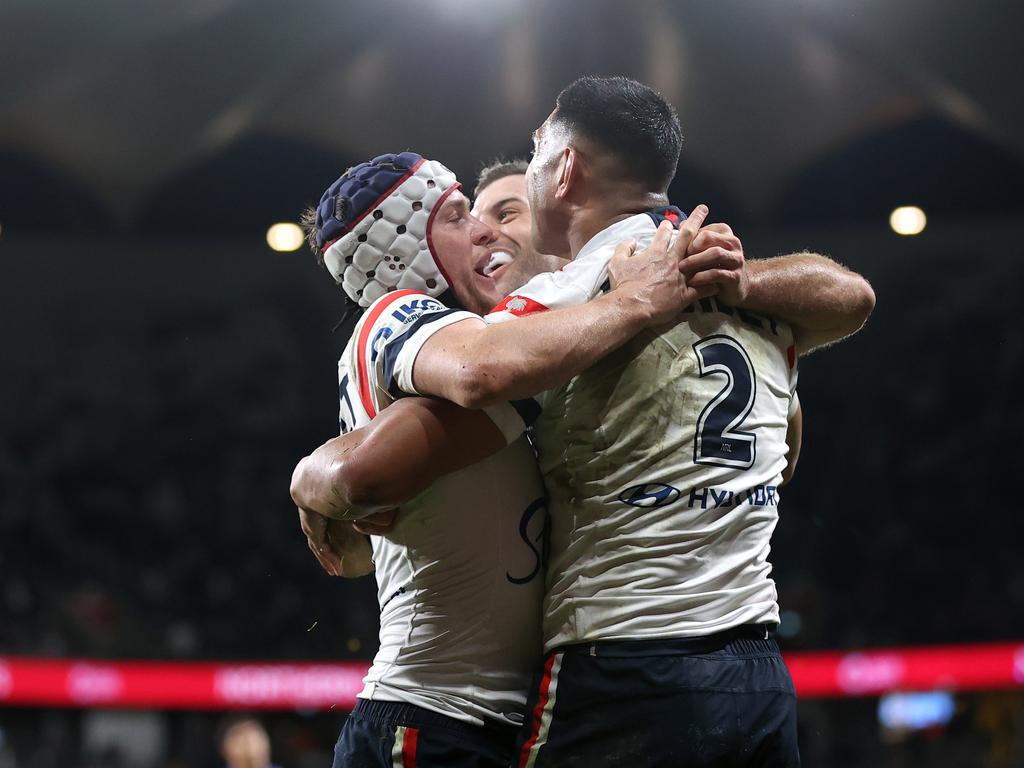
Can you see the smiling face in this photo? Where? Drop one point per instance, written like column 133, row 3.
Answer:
column 511, row 259
column 456, row 239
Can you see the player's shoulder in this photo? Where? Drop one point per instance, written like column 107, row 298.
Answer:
column 395, row 314
column 399, row 308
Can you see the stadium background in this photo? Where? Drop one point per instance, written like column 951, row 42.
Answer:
column 163, row 368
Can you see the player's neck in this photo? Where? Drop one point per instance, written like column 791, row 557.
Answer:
column 591, row 219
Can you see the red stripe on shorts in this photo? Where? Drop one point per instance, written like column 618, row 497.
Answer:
column 409, row 748
column 538, row 711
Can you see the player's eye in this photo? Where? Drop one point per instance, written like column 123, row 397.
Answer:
column 506, row 214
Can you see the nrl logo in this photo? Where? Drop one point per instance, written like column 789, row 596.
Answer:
column 516, row 305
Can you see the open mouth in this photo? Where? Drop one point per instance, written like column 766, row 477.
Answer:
column 495, row 263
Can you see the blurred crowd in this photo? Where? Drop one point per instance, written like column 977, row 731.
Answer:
column 145, row 456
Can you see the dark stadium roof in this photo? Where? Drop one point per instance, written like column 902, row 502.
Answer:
column 132, row 105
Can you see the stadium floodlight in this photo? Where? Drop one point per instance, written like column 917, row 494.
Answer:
column 285, row 236
column 908, row 220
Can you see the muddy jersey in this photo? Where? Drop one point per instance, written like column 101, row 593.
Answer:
column 662, row 465
column 460, row 577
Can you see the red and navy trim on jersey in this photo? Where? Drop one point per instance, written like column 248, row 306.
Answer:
column 668, row 213
column 519, row 305
column 397, row 343
column 364, row 338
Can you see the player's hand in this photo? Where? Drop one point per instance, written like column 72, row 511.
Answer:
column 314, row 527
column 376, row 524
column 352, row 547
column 340, row 549
column 715, row 258
column 654, row 276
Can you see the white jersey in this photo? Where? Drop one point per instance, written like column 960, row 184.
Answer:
column 662, row 465
column 459, row 578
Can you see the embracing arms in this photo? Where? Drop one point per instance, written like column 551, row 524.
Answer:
column 819, row 298
column 475, row 364
column 400, row 453
column 363, row 475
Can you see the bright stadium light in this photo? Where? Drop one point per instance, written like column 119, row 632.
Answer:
column 908, row 220
column 285, row 236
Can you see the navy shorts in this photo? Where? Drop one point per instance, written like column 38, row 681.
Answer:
column 721, row 700
column 386, row 734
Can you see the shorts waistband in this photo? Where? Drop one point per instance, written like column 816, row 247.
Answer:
column 411, row 716
column 683, row 646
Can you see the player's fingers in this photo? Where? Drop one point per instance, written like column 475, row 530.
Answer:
column 689, row 230
column 385, row 519
column 715, row 257
column 624, row 249
column 662, row 238
column 324, row 558
column 312, row 524
column 371, row 529
column 719, row 226
column 707, row 238
column 712, row 277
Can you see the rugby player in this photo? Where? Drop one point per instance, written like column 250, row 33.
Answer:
column 662, row 465
column 460, row 574
column 678, row 600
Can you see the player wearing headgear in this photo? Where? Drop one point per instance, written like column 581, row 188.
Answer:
column 459, row 576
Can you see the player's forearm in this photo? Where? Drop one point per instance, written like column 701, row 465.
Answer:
column 394, row 458
column 518, row 359
column 822, row 300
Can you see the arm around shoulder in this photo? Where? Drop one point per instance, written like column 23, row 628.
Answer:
column 399, row 454
column 823, row 300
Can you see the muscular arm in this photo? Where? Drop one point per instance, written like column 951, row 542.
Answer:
column 399, row 454
column 475, row 364
column 822, row 300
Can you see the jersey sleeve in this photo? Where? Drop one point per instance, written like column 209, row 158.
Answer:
column 385, row 342
column 574, row 284
column 383, row 350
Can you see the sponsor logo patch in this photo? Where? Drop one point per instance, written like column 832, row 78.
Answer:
column 649, row 495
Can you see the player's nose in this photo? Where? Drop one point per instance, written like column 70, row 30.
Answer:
column 481, row 233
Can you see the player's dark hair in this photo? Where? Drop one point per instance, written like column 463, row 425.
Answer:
column 307, row 220
column 630, row 121
column 498, row 169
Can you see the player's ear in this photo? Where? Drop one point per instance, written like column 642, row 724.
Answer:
column 568, row 172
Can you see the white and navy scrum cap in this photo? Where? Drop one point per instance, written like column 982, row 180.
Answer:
column 373, row 226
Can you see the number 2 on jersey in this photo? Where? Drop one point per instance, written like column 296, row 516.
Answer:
column 719, row 439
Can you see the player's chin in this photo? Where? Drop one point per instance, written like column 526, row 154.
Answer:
column 486, row 292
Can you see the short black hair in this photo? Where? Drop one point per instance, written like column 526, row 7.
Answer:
column 498, row 169
column 629, row 120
